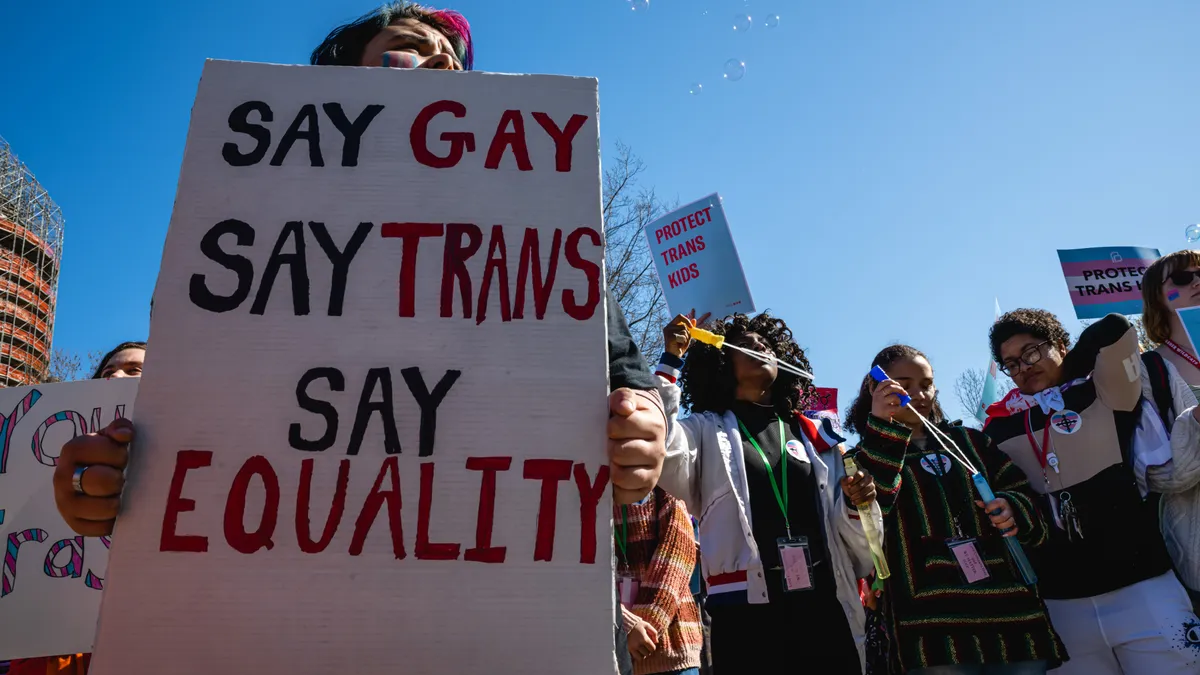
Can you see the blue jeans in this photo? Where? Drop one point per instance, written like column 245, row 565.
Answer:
column 689, row 671
column 1022, row 668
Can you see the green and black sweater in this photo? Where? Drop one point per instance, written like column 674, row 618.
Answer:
column 937, row 618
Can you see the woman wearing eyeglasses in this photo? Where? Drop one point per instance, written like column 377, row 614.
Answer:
column 1172, row 283
column 1104, row 571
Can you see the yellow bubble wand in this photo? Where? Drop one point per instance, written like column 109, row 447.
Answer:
column 718, row 341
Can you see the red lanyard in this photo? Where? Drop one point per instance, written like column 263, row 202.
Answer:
column 1183, row 353
column 1042, row 451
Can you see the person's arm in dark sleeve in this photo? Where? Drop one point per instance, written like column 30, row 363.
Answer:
column 626, row 366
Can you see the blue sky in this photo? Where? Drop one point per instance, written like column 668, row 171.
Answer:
column 888, row 167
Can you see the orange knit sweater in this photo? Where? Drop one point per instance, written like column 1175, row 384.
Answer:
column 661, row 552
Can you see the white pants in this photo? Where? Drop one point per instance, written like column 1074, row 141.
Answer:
column 1144, row 629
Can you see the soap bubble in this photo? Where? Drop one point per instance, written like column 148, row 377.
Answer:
column 1192, row 233
column 696, row 89
column 639, row 5
column 742, row 23
column 772, row 21
column 735, row 69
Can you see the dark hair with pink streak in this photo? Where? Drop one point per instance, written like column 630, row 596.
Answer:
column 345, row 44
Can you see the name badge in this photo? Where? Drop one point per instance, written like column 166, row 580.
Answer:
column 969, row 561
column 627, row 589
column 797, row 563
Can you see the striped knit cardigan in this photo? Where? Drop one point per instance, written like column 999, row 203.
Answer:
column 662, row 554
column 937, row 618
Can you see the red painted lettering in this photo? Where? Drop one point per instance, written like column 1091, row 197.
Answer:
column 235, row 507
column 336, row 508
column 542, row 286
column 484, row 552
column 497, row 263
column 454, row 265
column 590, row 269
column 185, row 461
column 426, row 550
column 366, row 518
column 562, row 138
column 590, row 493
column 550, row 472
column 410, row 235
column 514, row 139
column 459, row 141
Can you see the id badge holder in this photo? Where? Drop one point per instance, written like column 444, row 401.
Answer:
column 627, row 589
column 796, row 562
column 970, row 563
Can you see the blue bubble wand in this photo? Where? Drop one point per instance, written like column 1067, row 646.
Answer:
column 981, row 484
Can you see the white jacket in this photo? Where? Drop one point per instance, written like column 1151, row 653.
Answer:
column 705, row 467
column 1179, row 482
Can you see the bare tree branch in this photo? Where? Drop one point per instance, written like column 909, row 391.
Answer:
column 629, row 269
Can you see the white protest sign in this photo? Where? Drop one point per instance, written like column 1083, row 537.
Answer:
column 697, row 262
column 52, row 578
column 371, row 430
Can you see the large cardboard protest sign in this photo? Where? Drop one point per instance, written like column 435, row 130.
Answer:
column 51, row 577
column 1105, row 281
column 697, row 262
column 371, row 429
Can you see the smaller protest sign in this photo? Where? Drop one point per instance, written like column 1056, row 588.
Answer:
column 1106, row 281
column 1190, row 318
column 823, row 399
column 697, row 262
column 51, row 578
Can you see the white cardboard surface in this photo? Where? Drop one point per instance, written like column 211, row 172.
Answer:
column 49, row 603
column 226, row 383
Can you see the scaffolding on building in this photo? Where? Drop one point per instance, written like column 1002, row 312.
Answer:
column 31, row 240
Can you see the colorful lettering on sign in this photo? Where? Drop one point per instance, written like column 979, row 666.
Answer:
column 11, row 550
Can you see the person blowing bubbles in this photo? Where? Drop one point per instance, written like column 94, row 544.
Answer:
column 956, row 603
column 781, row 547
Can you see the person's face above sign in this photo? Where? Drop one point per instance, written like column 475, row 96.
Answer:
column 1034, row 364
column 409, row 43
column 1182, row 288
column 125, row 363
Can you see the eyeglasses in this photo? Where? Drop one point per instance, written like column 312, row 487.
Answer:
column 1183, row 278
column 1029, row 357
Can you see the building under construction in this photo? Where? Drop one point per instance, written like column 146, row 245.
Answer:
column 31, row 239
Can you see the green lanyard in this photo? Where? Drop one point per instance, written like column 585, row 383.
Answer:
column 623, row 535
column 781, row 499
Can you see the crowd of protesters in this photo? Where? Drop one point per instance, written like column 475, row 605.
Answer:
column 739, row 539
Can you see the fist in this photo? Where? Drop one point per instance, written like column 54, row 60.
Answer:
column 885, row 399
column 105, row 454
column 1001, row 514
column 859, row 488
column 677, row 335
column 637, row 432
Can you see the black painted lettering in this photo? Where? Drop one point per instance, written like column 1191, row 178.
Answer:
column 239, row 122
column 340, row 259
column 429, row 403
column 382, row 378
column 311, row 132
column 210, row 246
column 297, row 269
column 352, row 132
column 337, row 382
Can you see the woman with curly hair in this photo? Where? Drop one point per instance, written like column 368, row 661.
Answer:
column 1081, row 431
column 781, row 547
column 955, row 601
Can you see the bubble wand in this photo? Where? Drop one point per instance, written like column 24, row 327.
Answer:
column 866, row 516
column 718, row 341
column 981, row 484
